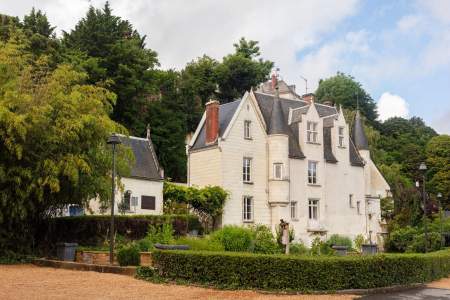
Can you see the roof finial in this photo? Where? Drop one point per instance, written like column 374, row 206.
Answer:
column 148, row 131
column 275, row 86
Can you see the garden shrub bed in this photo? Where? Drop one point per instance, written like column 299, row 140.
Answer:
column 93, row 230
column 299, row 273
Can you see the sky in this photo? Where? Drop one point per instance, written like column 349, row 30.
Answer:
column 399, row 50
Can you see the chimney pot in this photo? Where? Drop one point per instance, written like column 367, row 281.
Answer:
column 212, row 121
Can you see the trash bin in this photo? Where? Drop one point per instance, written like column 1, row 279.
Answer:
column 340, row 250
column 66, row 251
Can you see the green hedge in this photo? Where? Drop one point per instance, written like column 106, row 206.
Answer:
column 93, row 230
column 279, row 272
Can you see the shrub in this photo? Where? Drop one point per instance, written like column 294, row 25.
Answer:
column 233, row 238
column 144, row 245
column 417, row 244
column 282, row 272
column 160, row 234
column 399, row 239
column 359, row 241
column 298, row 249
column 264, row 241
column 319, row 247
column 129, row 255
column 339, row 240
column 200, row 244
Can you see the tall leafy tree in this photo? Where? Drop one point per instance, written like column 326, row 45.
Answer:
column 121, row 61
column 438, row 160
column 345, row 90
column 53, row 128
column 242, row 70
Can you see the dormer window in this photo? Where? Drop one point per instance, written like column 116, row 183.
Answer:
column 278, row 171
column 311, row 132
column 247, row 129
column 341, row 136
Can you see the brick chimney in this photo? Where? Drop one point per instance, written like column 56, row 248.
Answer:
column 308, row 98
column 212, row 121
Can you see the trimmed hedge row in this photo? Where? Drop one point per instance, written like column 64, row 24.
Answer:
column 277, row 272
column 93, row 230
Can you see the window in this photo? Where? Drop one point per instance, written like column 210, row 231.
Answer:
column 148, row 202
column 350, row 200
column 311, row 132
column 278, row 171
column 247, row 209
column 312, row 172
column 341, row 136
column 247, row 129
column 246, row 169
column 358, row 207
column 126, row 200
column 294, row 210
column 313, row 209
column 134, row 201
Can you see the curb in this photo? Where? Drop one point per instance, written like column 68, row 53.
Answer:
column 69, row 265
column 382, row 290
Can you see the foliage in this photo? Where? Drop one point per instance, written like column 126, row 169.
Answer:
column 94, row 230
column 417, row 244
column 264, row 241
column 399, row 239
column 129, row 255
column 233, row 238
column 359, row 241
column 300, row 273
column 319, row 247
column 339, row 240
column 279, row 235
column 160, row 234
column 201, row 244
column 207, row 202
column 53, row 131
column 344, row 90
column 298, row 249
column 438, row 161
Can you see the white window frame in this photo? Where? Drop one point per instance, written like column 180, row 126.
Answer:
column 278, row 167
column 312, row 133
column 350, row 200
column 247, row 169
column 341, row 135
column 312, row 172
column 247, row 129
column 313, row 209
column 293, row 208
column 247, row 209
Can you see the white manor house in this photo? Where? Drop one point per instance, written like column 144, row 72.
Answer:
column 282, row 156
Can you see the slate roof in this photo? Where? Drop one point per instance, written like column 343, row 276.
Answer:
column 226, row 113
column 146, row 162
column 359, row 136
column 275, row 112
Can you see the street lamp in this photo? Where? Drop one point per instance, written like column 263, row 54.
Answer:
column 423, row 169
column 113, row 140
column 441, row 211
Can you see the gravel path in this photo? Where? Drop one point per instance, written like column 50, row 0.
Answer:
column 31, row 282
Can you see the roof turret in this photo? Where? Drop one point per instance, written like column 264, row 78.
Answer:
column 359, row 136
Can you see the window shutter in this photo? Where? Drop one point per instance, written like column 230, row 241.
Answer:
column 148, row 202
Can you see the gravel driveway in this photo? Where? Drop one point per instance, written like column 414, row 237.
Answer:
column 31, row 282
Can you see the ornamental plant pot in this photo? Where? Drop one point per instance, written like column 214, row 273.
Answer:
column 66, row 251
column 340, row 250
column 369, row 249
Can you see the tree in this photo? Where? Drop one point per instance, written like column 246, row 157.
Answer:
column 438, row 161
column 345, row 90
column 53, row 152
column 241, row 71
column 119, row 61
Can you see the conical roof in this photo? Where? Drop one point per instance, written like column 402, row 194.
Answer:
column 277, row 124
column 359, row 136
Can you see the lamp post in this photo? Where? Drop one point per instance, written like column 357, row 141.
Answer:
column 113, row 140
column 423, row 169
column 441, row 211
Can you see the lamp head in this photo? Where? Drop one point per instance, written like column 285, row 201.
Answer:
column 439, row 195
column 423, row 166
column 114, row 140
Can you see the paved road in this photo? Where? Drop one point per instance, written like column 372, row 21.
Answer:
column 415, row 294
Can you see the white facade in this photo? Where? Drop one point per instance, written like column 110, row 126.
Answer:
column 341, row 199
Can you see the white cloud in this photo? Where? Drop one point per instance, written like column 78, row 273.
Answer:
column 390, row 105
column 442, row 123
column 409, row 22
column 440, row 9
